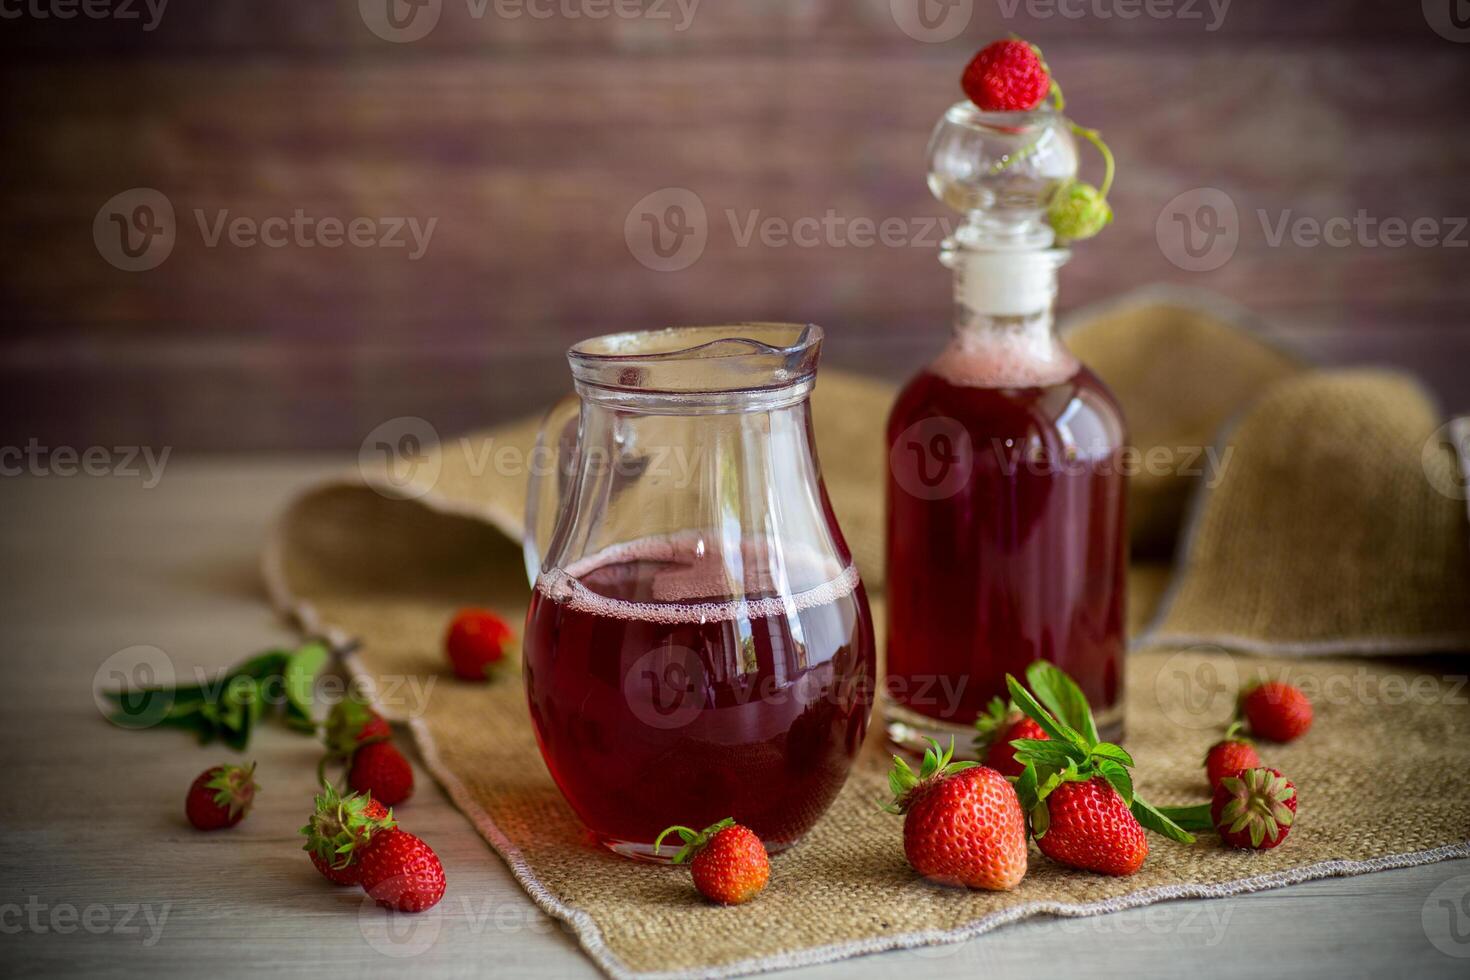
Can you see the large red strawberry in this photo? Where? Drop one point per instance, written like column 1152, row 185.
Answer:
column 220, row 797
column 1277, row 711
column 479, row 644
column 727, row 861
column 401, row 872
column 963, row 824
column 339, row 828
column 1007, row 76
column 997, row 729
column 381, row 771
column 1089, row 826
column 1230, row 755
column 1255, row 808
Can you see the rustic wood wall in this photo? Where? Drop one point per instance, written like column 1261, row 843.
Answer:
column 531, row 139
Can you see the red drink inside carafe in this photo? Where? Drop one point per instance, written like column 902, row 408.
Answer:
column 660, row 694
column 1005, row 530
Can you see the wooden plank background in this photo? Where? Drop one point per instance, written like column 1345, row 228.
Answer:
column 530, row 140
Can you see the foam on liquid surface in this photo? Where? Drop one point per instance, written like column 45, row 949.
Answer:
column 1005, row 358
column 680, row 589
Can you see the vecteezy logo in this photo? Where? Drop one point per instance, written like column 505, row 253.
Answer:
column 933, row 458
column 1450, row 19
column 1446, row 917
column 1199, row 230
column 400, row 458
column 400, row 21
column 1448, row 471
column 133, row 688
column 1196, row 688
column 664, row 688
column 397, row 936
column 667, row 230
column 932, row 21
column 134, row 230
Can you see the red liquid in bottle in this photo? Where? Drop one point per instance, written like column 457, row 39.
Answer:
column 1005, row 541
column 658, row 699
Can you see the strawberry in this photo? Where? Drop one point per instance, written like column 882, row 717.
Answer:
column 479, row 644
column 1077, row 789
column 353, row 722
column 727, row 860
column 220, row 797
column 339, row 828
column 1254, row 808
column 380, row 770
column 1088, row 825
column 1007, row 76
column 1230, row 755
column 401, row 872
column 997, row 728
column 1277, row 711
column 962, row 822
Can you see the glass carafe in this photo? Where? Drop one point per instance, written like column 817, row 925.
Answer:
column 698, row 644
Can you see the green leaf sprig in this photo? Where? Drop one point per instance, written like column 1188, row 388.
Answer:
column 1072, row 751
column 227, row 708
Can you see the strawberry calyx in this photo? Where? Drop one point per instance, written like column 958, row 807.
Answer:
column 907, row 786
column 1072, row 751
column 340, row 826
column 999, row 716
column 694, row 840
column 234, row 789
column 1256, row 804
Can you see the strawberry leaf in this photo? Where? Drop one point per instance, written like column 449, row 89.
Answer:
column 1026, row 788
column 1031, row 709
column 1189, row 817
column 1047, row 752
column 1158, row 823
column 1117, row 775
column 1107, row 750
column 1061, row 695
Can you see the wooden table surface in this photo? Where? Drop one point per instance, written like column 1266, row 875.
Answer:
column 99, row 873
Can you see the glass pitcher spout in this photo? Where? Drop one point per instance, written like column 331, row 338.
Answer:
column 698, row 645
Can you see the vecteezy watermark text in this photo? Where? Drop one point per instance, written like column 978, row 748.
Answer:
column 64, row 918
column 1200, row 230
column 406, row 21
column 67, row 461
column 136, row 230
column 148, row 12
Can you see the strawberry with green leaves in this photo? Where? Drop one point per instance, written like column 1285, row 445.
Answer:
column 963, row 824
column 220, row 797
column 339, row 828
column 1076, row 789
column 727, row 860
column 358, row 737
column 1228, row 756
column 995, row 730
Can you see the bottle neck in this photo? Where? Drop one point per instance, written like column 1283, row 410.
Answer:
column 1004, row 331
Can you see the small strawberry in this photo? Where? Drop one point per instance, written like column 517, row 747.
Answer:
column 479, row 644
column 220, row 797
column 727, row 860
column 1007, row 76
column 1230, row 755
column 339, row 828
column 1277, row 711
column 401, row 872
column 962, row 825
column 1254, row 808
column 353, row 722
column 1088, row 825
column 997, row 728
column 380, row 770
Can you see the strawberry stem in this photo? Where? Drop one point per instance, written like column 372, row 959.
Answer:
column 1092, row 136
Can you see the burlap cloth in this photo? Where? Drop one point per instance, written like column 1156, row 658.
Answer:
column 1335, row 526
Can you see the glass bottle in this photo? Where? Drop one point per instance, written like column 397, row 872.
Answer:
column 1006, row 536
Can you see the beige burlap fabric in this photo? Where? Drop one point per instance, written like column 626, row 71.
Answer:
column 387, row 558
